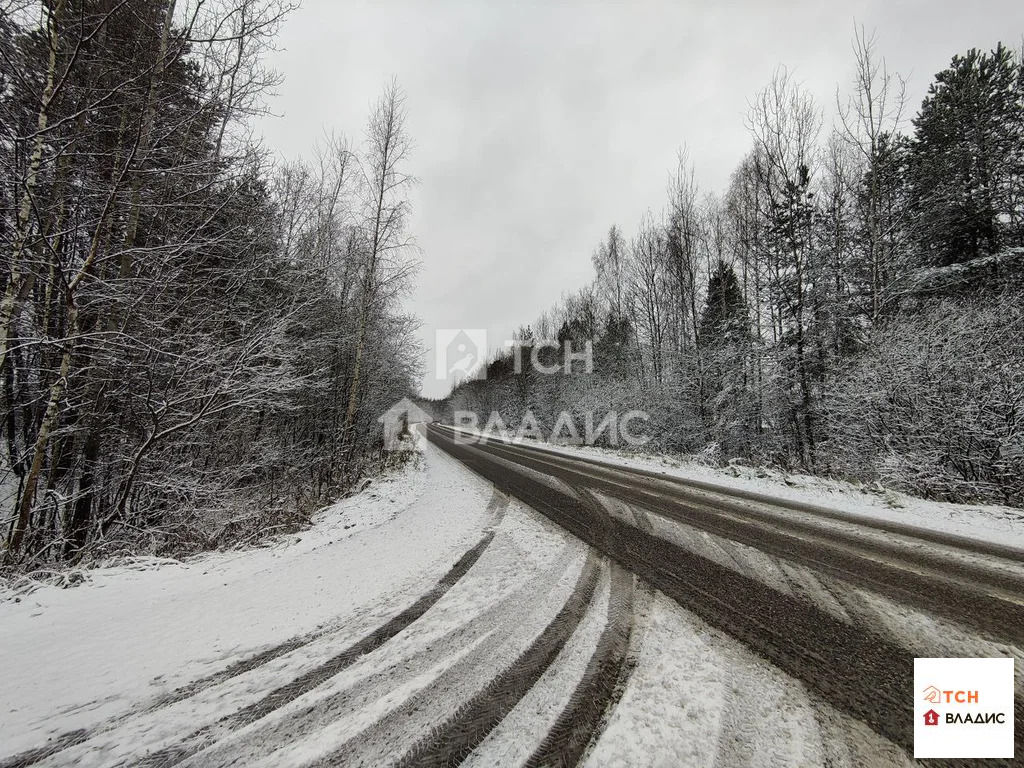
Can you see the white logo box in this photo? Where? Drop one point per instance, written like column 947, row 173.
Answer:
column 974, row 702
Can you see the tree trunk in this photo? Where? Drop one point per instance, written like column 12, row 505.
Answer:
column 19, row 284
column 57, row 390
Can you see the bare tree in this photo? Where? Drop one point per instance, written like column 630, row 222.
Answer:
column 870, row 119
column 385, row 206
column 646, row 282
column 785, row 124
column 685, row 240
column 609, row 262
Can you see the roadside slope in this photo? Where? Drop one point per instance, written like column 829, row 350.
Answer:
column 135, row 634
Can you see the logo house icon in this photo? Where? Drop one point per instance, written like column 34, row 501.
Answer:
column 931, row 717
column 459, row 353
column 397, row 424
column 932, row 695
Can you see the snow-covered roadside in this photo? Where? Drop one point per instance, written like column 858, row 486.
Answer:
column 984, row 522
column 129, row 636
column 698, row 697
column 513, row 578
column 124, row 639
column 523, row 730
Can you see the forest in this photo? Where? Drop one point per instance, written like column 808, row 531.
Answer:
column 196, row 337
column 852, row 305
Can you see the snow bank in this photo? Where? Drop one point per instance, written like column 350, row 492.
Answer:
column 76, row 657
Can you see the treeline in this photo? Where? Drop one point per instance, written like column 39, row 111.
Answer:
column 851, row 305
column 194, row 340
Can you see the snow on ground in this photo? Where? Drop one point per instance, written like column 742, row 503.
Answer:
column 699, row 698
column 531, row 567
column 128, row 636
column 926, row 634
column 523, row 729
column 923, row 633
column 985, row 522
column 103, row 652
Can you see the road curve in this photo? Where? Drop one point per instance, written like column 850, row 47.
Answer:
column 853, row 667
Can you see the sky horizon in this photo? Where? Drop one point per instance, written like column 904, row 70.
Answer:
column 537, row 126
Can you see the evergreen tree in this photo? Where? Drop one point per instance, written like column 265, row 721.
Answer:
column 966, row 160
column 724, row 319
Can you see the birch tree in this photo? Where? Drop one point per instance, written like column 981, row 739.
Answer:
column 385, row 206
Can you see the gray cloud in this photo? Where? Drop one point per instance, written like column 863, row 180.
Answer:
column 537, row 125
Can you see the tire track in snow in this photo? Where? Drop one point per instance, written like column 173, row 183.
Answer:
column 350, row 701
column 580, row 723
column 377, row 638
column 453, row 741
column 58, row 744
column 346, row 657
column 496, row 508
column 278, row 698
column 70, row 739
column 314, row 677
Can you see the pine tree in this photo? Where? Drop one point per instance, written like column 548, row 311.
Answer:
column 966, row 158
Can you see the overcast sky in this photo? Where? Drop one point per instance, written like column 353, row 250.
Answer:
column 537, row 125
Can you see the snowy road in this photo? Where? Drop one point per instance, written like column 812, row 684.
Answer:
column 842, row 604
column 437, row 620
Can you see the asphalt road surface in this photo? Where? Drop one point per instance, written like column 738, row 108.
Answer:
column 852, row 666
column 527, row 650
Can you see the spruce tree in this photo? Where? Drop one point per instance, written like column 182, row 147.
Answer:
column 724, row 319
